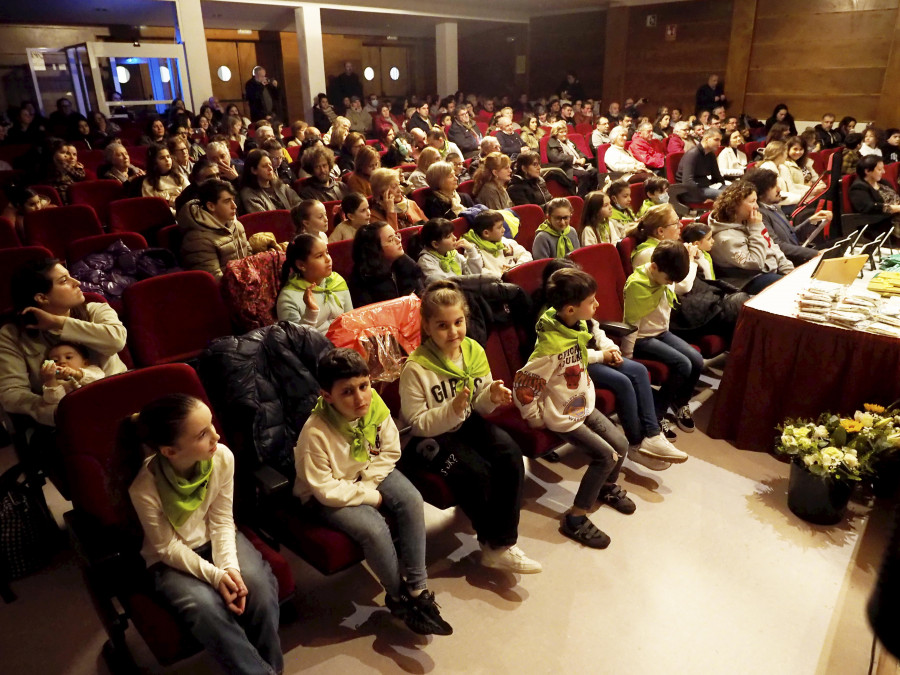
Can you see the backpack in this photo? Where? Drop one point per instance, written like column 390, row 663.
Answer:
column 250, row 289
column 25, row 533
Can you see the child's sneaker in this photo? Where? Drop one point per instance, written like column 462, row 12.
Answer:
column 512, row 559
column 659, row 448
column 584, row 531
column 423, row 615
column 684, row 419
column 616, row 497
column 665, row 426
column 638, row 457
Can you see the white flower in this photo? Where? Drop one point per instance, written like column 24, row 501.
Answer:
column 820, row 433
column 809, row 460
column 789, row 443
column 831, row 456
column 850, row 461
column 864, row 418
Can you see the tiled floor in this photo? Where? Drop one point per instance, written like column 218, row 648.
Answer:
column 711, row 575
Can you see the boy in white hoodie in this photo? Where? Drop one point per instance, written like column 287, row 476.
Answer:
column 498, row 253
column 346, row 477
column 554, row 390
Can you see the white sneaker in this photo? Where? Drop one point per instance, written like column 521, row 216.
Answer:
column 512, row 559
column 659, row 448
column 638, row 457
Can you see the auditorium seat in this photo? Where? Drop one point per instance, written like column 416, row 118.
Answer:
column 78, row 248
column 8, row 236
column 145, row 215
column 97, row 194
column 55, row 228
column 530, row 218
column 278, row 222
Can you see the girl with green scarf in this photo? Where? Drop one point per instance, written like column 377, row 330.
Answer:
column 556, row 238
column 183, row 497
column 446, row 390
column 659, row 223
column 311, row 293
column 443, row 255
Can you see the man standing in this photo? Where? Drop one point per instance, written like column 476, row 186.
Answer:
column 262, row 94
column 347, row 84
column 699, row 170
column 710, row 94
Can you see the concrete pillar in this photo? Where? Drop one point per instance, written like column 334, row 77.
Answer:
column 312, row 59
column 447, row 47
column 189, row 32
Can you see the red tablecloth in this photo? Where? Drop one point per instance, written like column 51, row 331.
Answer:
column 781, row 366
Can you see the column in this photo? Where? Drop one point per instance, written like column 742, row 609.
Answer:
column 447, row 47
column 189, row 32
column 743, row 24
column 615, row 55
column 312, row 60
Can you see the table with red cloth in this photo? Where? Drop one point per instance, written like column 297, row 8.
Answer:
column 781, row 366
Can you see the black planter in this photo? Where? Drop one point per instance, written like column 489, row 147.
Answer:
column 817, row 499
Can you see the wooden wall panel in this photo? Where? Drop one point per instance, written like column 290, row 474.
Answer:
column 615, row 55
column 791, row 8
column 888, row 114
column 290, row 64
column 863, row 107
column 565, row 42
column 493, row 71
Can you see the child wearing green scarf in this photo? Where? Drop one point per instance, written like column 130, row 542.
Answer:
column 649, row 298
column 183, row 497
column 346, row 459
column 446, row 390
column 311, row 293
column 556, row 237
column 442, row 253
column 498, row 253
column 553, row 390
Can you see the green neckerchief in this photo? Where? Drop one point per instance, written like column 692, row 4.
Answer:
column 332, row 285
column 563, row 243
column 651, row 242
column 642, row 295
column 495, row 248
column 180, row 497
column 475, row 363
column 360, row 433
column 646, row 206
column 555, row 337
column 712, row 270
column 449, row 261
column 622, row 215
column 602, row 230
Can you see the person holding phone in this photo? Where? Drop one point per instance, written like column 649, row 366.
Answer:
column 262, row 94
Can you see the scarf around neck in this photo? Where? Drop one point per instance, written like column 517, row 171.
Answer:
column 475, row 363
column 563, row 243
column 332, row 285
column 642, row 296
column 555, row 337
column 649, row 242
column 495, row 248
column 180, row 496
column 712, row 270
column 360, row 433
column 449, row 261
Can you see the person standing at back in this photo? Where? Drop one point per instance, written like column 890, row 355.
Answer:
column 262, row 94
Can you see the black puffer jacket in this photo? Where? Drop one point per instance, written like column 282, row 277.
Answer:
column 263, row 387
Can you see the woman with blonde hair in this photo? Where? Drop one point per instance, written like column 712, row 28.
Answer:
column 388, row 202
column 490, row 182
column 442, row 200
column 775, row 157
column 660, row 223
column 367, row 161
column 427, row 157
column 564, row 155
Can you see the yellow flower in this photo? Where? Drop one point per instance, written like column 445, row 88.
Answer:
column 873, row 408
column 851, row 426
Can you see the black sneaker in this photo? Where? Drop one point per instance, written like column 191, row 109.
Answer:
column 684, row 419
column 423, row 615
column 665, row 426
column 617, row 498
column 397, row 606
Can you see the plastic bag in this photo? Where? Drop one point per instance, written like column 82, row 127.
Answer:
column 385, row 333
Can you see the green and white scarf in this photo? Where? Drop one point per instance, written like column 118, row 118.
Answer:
column 330, row 286
column 642, row 295
column 360, row 433
column 555, row 337
column 650, row 242
column 449, row 261
column 475, row 363
column 180, row 496
column 495, row 248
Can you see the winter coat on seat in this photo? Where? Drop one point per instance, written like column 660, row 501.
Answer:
column 263, row 387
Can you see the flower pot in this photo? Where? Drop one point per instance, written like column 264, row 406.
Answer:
column 817, row 499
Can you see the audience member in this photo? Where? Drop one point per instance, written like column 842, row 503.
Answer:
column 163, row 180
column 709, row 95
column 367, row 161
column 443, row 255
column 381, row 269
column 871, row 143
column 490, row 182
column 828, row 137
column 565, row 155
column 871, row 194
column 318, row 162
column 851, row 153
column 465, row 133
column 511, row 144
column 595, row 221
column 118, row 164
column 356, row 211
column 775, row 159
column 732, row 161
column 527, row 186
column 643, row 150
column 261, row 190
column 442, row 200
column 310, row 217
column 229, row 169
column 699, row 171
column 619, row 163
column 782, row 115
column 556, row 237
column 211, row 233
column 428, row 156
column 312, row 294
column 388, row 202
column 64, row 168
column 498, row 253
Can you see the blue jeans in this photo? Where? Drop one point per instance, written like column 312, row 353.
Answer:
column 602, row 441
column 246, row 644
column 367, row 527
column 685, row 365
column 630, row 383
column 762, row 281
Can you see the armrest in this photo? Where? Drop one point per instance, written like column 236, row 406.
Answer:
column 270, row 481
column 617, row 329
column 96, row 549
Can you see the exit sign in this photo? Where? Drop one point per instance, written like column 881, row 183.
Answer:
column 651, row 21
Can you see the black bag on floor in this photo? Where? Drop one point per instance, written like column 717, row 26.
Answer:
column 26, row 537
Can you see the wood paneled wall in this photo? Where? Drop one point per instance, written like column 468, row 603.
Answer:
column 828, row 54
column 492, row 71
column 559, row 43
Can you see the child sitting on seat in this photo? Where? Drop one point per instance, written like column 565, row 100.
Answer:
column 346, row 460
column 310, row 216
column 656, row 190
column 442, row 253
column 210, row 575
column 355, row 208
column 67, row 368
column 446, row 389
column 311, row 293
column 556, row 237
column 595, row 224
column 649, row 297
column 553, row 390
column 623, row 216
column 498, row 253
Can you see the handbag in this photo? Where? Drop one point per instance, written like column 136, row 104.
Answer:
column 26, row 539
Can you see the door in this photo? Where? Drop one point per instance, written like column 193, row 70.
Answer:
column 391, row 70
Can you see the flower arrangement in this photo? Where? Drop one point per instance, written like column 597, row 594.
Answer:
column 847, row 449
